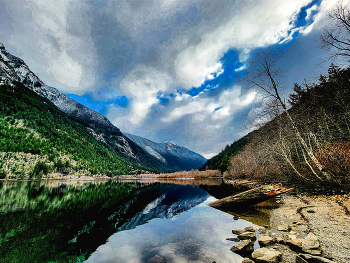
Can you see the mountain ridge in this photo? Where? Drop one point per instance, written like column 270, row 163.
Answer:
column 170, row 153
column 14, row 69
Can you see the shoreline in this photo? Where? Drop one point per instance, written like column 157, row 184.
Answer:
column 327, row 217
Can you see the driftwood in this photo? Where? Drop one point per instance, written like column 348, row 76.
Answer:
column 250, row 197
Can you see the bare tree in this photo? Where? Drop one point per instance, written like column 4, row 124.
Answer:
column 266, row 74
column 336, row 37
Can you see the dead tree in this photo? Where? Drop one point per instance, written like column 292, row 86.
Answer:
column 266, row 75
column 336, row 37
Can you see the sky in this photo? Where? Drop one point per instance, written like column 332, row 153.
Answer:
column 166, row 70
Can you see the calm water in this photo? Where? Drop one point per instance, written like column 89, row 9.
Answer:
column 111, row 221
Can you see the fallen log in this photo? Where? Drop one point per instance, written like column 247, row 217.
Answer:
column 250, row 197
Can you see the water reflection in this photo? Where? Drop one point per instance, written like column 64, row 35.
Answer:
column 113, row 221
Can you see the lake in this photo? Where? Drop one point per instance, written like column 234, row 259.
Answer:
column 119, row 221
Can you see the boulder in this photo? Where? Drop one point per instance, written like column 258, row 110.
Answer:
column 267, row 255
column 265, row 241
column 295, row 244
column 238, row 231
column 244, row 246
column 247, row 235
column 284, row 227
column 247, row 260
column 311, row 245
column 249, row 229
column 302, row 258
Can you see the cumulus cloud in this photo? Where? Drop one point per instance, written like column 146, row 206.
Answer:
column 143, row 84
column 204, row 108
column 55, row 42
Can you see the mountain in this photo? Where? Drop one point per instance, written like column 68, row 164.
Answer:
column 14, row 70
column 174, row 155
column 310, row 146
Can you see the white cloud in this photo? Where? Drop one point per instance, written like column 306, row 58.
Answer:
column 208, row 109
column 254, row 25
column 143, row 85
column 60, row 48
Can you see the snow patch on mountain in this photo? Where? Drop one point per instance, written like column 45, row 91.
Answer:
column 170, row 153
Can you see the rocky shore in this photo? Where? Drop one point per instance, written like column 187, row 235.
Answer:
column 304, row 229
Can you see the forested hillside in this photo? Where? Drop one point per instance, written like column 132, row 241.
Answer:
column 321, row 116
column 37, row 139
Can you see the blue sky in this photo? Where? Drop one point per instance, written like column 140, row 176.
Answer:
column 167, row 70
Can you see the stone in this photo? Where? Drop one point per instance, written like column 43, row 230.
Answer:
column 311, row 211
column 237, row 231
column 266, row 226
column 235, row 217
column 235, row 239
column 267, row 255
column 247, row 260
column 249, row 229
column 247, row 235
column 312, row 258
column 244, row 246
column 265, row 241
column 262, row 230
column 292, row 237
column 311, row 244
column 155, row 259
column 295, row 244
column 284, row 227
column 280, row 240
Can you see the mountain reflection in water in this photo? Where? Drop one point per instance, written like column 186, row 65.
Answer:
column 61, row 222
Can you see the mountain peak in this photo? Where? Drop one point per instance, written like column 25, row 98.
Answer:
column 2, row 46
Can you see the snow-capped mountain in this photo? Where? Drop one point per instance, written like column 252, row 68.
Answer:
column 165, row 157
column 170, row 153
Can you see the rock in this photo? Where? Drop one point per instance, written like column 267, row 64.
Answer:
column 155, row 259
column 311, row 245
column 267, row 255
column 292, row 237
column 265, row 240
column 302, row 258
column 235, row 239
column 247, row 260
column 235, row 217
column 237, row 231
column 249, row 229
column 295, row 244
column 244, row 246
column 311, row 211
column 266, row 226
column 262, row 230
column 247, row 235
column 280, row 240
column 284, row 227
